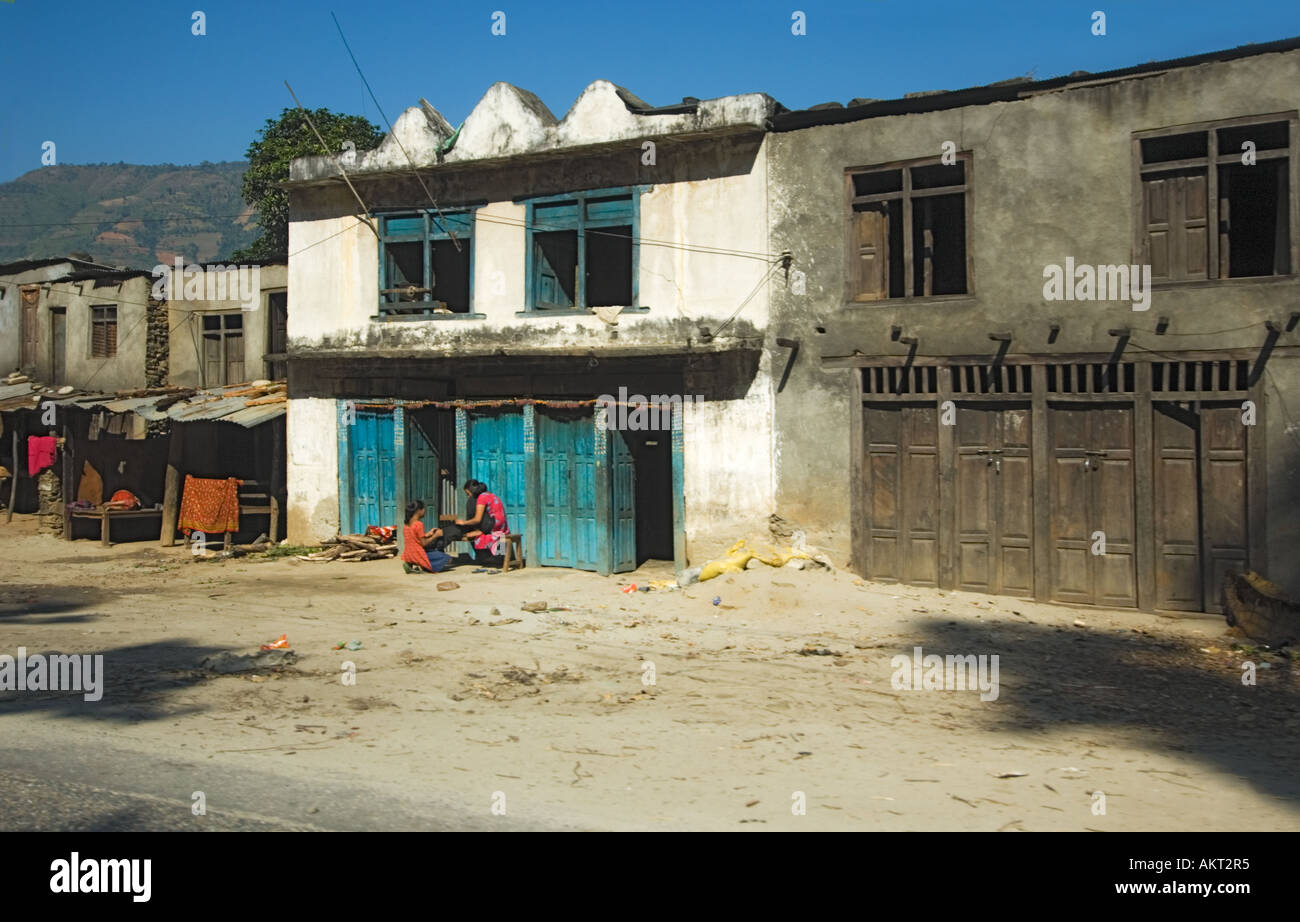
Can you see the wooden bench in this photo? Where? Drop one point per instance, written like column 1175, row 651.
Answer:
column 104, row 516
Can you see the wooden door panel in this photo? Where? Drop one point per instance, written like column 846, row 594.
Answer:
column 1092, row 490
column 1177, row 520
column 902, row 488
column 974, row 438
column 1223, row 486
column 921, row 495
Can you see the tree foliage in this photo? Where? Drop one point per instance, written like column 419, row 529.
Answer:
column 276, row 145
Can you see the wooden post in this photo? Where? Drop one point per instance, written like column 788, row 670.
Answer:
column 13, row 479
column 278, row 472
column 68, row 492
column 532, row 484
column 604, row 489
column 172, row 485
column 680, row 557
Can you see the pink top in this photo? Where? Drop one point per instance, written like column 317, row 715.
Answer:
column 498, row 512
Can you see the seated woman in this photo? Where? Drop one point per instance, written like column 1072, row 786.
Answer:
column 487, row 529
column 416, row 555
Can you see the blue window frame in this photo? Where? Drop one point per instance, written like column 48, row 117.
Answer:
column 583, row 250
column 426, row 264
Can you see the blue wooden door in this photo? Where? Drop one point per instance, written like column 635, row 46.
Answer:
column 567, row 459
column 374, row 471
column 496, row 457
column 623, row 469
column 423, row 467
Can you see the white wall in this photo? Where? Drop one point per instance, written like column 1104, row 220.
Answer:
column 313, row 470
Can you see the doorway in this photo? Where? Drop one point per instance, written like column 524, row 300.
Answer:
column 652, row 459
column 59, row 344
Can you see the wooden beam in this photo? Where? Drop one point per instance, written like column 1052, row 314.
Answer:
column 13, row 477
column 172, row 485
column 532, row 485
column 947, row 439
column 1144, row 468
column 680, row 558
column 1040, row 459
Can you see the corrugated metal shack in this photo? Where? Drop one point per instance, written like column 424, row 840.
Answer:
column 146, row 441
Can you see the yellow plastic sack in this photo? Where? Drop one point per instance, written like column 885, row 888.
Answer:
column 741, row 554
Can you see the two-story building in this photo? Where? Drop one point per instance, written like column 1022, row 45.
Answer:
column 462, row 300
column 1048, row 330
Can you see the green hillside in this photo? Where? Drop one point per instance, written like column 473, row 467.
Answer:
column 126, row 215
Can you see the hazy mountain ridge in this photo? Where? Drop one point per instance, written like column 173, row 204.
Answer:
column 110, row 211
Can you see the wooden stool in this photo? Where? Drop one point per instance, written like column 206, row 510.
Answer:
column 513, row 543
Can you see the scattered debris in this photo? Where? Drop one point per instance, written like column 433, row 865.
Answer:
column 352, row 548
column 448, row 586
column 228, row 663
column 810, row 650
column 1011, row 774
column 534, row 606
column 280, row 643
column 350, row 645
column 1260, row 609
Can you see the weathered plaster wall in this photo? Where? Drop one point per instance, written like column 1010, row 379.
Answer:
column 1051, row 177
column 312, row 470
column 11, row 316
column 1281, row 424
column 125, row 370
column 701, row 197
column 185, row 324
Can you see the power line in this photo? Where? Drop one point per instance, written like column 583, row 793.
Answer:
column 391, row 133
column 215, row 217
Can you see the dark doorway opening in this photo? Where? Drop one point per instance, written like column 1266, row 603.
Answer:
column 652, row 454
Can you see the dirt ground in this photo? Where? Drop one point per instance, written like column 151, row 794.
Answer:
column 783, row 688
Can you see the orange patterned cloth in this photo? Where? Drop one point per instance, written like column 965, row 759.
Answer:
column 209, row 506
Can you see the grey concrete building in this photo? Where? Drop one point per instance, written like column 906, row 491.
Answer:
column 984, row 392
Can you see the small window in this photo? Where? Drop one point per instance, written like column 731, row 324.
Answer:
column 223, row 349
column 103, row 332
column 583, row 251
column 1236, row 226
column 921, row 204
column 424, row 263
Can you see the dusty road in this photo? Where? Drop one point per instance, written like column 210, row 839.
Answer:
column 468, row 712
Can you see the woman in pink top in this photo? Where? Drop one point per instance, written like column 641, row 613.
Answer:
column 488, row 528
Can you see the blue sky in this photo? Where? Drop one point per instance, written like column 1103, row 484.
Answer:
column 128, row 81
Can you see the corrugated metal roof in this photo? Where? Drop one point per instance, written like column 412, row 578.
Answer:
column 205, row 405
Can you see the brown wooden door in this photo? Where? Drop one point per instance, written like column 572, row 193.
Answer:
column 994, row 499
column 1091, row 483
column 1175, row 208
column 1200, row 502
column 901, row 492
column 31, row 335
column 1224, row 497
column 871, row 253
column 1175, row 481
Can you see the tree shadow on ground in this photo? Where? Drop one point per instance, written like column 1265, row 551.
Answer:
column 19, row 602
column 137, row 683
column 1164, row 690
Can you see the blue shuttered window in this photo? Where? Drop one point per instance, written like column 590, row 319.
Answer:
column 582, row 250
column 425, row 263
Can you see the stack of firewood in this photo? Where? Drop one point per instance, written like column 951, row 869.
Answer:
column 353, row 548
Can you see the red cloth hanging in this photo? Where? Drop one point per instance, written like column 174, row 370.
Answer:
column 209, row 506
column 41, row 451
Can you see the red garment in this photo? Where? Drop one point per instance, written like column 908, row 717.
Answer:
column 41, row 450
column 413, row 546
column 123, row 499
column 209, row 506
column 489, row 540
